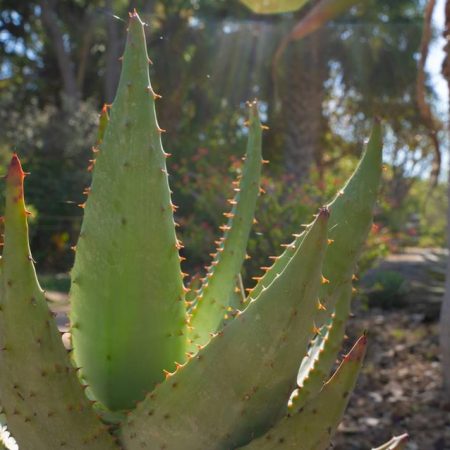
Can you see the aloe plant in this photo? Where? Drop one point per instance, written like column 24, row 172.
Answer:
column 154, row 364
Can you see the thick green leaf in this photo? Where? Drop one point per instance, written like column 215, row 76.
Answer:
column 350, row 221
column 220, row 398
column 312, row 427
column 322, row 354
column 222, row 277
column 128, row 311
column 40, row 394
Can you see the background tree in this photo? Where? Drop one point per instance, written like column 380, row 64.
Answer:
column 209, row 59
column 445, row 311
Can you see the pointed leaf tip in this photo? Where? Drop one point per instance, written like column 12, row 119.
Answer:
column 104, row 111
column 133, row 15
column 14, row 183
column 15, row 168
column 324, row 212
column 253, row 117
column 358, row 350
column 130, row 153
column 253, row 105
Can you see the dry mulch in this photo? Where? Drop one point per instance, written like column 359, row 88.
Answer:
column 400, row 387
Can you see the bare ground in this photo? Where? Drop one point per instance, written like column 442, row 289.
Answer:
column 400, row 388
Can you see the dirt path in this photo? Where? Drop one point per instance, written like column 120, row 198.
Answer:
column 400, row 388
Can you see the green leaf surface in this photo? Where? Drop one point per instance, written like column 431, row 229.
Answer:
column 322, row 354
column 128, row 311
column 222, row 277
column 313, row 427
column 220, row 398
column 350, row 221
column 40, row 394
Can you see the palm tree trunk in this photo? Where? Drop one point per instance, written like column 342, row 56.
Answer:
column 302, row 98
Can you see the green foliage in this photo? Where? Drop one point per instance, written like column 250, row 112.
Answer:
column 53, row 142
column 386, row 289
column 371, row 49
column 133, row 330
column 202, row 185
column 59, row 282
column 378, row 246
column 413, row 220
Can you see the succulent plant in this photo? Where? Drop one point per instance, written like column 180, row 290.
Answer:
column 155, row 365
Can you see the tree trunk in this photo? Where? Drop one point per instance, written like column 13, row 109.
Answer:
column 65, row 63
column 445, row 311
column 302, row 105
column 83, row 54
column 424, row 108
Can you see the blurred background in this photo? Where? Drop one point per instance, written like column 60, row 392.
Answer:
column 318, row 96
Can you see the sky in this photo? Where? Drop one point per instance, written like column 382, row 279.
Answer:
column 434, row 66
